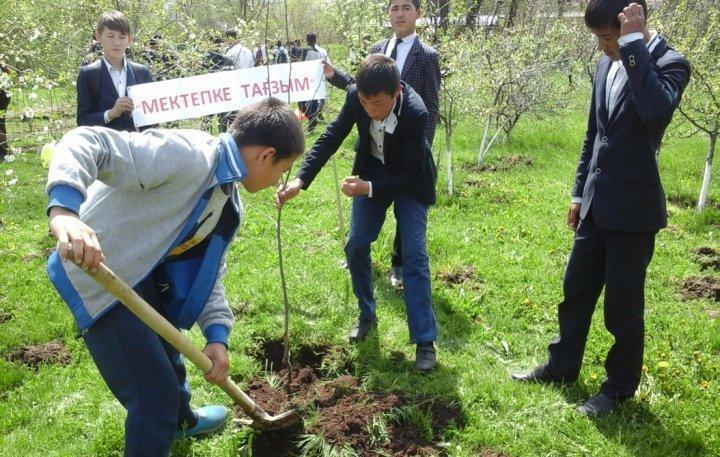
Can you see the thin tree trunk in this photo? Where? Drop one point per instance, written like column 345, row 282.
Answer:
column 708, row 173
column 448, row 158
column 338, row 200
column 483, row 142
column 472, row 14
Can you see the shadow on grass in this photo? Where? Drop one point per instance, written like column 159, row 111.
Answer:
column 638, row 429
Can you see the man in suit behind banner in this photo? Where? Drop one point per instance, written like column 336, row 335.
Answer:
column 618, row 203
column 419, row 66
column 102, row 85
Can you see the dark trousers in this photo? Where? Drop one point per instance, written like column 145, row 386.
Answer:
column 618, row 262
column 145, row 374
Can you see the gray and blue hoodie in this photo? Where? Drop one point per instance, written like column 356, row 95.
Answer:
column 149, row 197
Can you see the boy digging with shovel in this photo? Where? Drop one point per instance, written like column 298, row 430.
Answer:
column 164, row 206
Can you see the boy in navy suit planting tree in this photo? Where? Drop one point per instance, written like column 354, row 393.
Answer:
column 618, row 203
column 393, row 165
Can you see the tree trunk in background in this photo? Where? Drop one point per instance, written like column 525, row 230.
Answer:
column 444, row 13
column 448, row 158
column 704, row 190
column 512, row 13
column 473, row 11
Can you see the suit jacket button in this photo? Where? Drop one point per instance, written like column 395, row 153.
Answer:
column 597, row 171
column 604, row 139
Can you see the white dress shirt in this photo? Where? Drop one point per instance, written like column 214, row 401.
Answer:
column 119, row 79
column 377, row 135
column 402, row 51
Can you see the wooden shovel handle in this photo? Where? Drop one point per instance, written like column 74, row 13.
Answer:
column 172, row 335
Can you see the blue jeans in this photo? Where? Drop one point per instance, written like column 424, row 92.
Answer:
column 145, row 374
column 366, row 220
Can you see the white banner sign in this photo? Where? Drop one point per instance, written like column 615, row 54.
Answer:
column 202, row 95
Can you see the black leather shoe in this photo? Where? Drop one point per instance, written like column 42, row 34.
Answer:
column 539, row 374
column 597, row 406
column 361, row 330
column 425, row 358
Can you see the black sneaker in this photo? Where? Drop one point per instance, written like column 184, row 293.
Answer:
column 362, row 328
column 425, row 358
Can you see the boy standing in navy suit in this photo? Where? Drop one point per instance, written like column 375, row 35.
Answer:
column 102, row 86
column 393, row 166
column 419, row 66
column 618, row 203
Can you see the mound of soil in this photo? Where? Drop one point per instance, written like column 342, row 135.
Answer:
column 53, row 352
column 505, row 163
column 690, row 202
column 712, row 314
column 707, row 258
column 343, row 414
column 696, row 287
column 461, row 275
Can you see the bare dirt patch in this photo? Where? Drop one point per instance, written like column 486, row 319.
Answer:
column 346, row 415
column 707, row 258
column 54, row 353
column 505, row 163
column 688, row 202
column 696, row 287
column 461, row 275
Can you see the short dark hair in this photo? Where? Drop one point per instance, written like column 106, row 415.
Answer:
column 604, row 13
column 113, row 20
column 415, row 2
column 377, row 74
column 311, row 38
column 270, row 123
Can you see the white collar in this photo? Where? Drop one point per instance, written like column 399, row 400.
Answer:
column 110, row 67
column 408, row 39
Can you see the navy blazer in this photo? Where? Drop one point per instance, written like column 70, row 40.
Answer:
column 407, row 154
column 617, row 175
column 92, row 102
column 421, row 71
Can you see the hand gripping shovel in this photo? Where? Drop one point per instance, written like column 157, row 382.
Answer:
column 259, row 419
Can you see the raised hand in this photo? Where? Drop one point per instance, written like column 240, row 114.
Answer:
column 632, row 19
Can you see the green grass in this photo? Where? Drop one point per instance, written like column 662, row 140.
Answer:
column 508, row 225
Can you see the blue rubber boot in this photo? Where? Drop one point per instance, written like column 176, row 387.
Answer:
column 210, row 419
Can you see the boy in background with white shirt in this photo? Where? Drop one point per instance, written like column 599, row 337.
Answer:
column 102, row 85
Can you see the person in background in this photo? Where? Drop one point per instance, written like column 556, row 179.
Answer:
column 280, row 54
column 312, row 109
column 102, row 97
column 241, row 57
